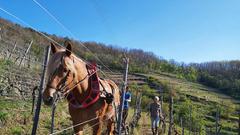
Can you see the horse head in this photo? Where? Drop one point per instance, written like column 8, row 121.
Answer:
column 61, row 72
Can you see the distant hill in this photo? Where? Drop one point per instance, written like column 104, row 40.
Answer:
column 222, row 75
column 110, row 55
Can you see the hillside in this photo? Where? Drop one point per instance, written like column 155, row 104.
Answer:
column 110, row 55
column 194, row 102
column 222, row 75
column 203, row 98
column 206, row 101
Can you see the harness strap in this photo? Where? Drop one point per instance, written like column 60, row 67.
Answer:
column 94, row 90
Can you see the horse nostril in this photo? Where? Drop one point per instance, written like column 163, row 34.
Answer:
column 48, row 101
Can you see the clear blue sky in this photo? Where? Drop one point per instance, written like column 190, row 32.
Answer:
column 184, row 30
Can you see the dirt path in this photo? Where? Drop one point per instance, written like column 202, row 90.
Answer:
column 145, row 125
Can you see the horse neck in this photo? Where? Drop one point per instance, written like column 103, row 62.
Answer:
column 81, row 91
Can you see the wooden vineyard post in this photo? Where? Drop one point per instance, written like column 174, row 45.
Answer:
column 119, row 124
column 182, row 125
column 161, row 102
column 10, row 55
column 54, row 105
column 29, row 61
column 42, row 83
column 239, row 122
column 26, row 53
column 170, row 115
column 216, row 124
column 33, row 97
column 136, row 102
column 190, row 120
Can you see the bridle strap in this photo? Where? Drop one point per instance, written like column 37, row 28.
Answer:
column 80, row 81
column 62, row 84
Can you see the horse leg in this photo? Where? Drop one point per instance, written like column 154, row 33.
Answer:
column 110, row 127
column 97, row 129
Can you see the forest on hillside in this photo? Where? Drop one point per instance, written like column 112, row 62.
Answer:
column 223, row 75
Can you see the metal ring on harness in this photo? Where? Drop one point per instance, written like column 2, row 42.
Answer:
column 109, row 98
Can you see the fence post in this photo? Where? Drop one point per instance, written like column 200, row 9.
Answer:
column 140, row 102
column 54, row 105
column 199, row 130
column 15, row 45
column 170, row 115
column 42, row 83
column 136, row 102
column 216, row 124
column 33, row 97
column 29, row 61
column 190, row 120
column 181, row 120
column 239, row 123
column 161, row 101
column 26, row 53
column 119, row 124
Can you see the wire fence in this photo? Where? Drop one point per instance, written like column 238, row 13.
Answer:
column 20, row 82
column 192, row 117
column 24, row 75
column 18, row 78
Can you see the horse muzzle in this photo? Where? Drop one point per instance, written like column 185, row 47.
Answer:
column 48, row 101
column 48, row 96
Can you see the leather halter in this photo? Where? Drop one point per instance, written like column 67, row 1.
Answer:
column 62, row 84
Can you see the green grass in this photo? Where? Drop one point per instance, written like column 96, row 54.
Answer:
column 204, row 98
column 16, row 117
column 19, row 118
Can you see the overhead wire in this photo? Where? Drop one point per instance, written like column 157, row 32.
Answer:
column 44, row 35
column 25, row 23
column 66, row 29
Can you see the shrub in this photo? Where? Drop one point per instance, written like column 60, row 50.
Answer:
column 3, row 117
column 195, row 120
column 16, row 131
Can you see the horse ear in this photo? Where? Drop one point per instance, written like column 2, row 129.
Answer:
column 68, row 48
column 54, row 48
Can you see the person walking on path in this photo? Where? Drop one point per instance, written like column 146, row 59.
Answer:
column 155, row 111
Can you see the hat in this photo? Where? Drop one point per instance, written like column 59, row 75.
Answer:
column 157, row 98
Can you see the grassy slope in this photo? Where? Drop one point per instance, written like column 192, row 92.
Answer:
column 195, row 89
column 204, row 98
column 17, row 118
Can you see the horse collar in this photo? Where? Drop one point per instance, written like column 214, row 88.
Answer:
column 94, row 90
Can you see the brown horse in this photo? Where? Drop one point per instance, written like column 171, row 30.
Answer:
column 70, row 76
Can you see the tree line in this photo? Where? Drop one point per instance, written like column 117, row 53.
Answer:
column 223, row 75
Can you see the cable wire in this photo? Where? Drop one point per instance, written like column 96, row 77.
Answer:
column 66, row 29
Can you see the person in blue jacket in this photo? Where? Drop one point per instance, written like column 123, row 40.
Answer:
column 127, row 100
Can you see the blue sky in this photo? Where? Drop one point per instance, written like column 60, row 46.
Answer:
column 184, row 30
